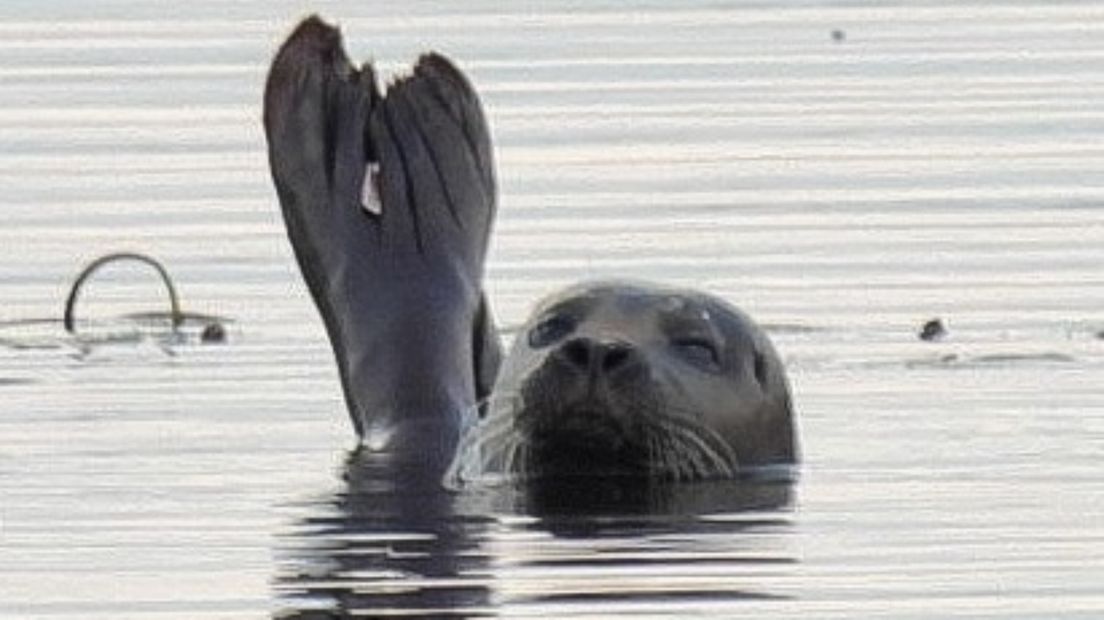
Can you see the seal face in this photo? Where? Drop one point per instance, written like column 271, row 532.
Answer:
column 634, row 379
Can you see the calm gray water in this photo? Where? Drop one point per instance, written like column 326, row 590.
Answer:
column 942, row 159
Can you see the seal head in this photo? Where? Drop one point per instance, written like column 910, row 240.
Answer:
column 635, row 379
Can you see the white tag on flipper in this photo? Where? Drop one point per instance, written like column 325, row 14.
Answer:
column 369, row 192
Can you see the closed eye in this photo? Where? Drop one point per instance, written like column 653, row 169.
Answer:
column 699, row 351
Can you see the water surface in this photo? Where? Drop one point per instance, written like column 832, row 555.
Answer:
column 938, row 159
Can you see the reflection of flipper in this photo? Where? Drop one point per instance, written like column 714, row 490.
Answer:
column 400, row 290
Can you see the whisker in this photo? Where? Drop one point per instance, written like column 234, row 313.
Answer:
column 675, row 444
column 689, row 450
column 490, row 440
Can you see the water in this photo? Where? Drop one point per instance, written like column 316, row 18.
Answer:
column 943, row 159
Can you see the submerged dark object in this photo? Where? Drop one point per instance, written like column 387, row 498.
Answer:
column 933, row 330
column 389, row 198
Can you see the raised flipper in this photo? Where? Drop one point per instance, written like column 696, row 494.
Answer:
column 399, row 287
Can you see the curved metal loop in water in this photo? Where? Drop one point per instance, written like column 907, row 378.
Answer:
column 70, row 304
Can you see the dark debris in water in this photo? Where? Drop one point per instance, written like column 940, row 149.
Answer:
column 213, row 333
column 933, row 330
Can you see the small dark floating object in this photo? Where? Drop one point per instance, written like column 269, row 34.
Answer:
column 214, row 333
column 839, row 36
column 933, row 330
column 1100, row 334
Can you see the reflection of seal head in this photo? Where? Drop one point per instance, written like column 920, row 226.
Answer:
column 640, row 380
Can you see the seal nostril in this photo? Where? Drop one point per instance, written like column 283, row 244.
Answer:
column 590, row 355
column 578, row 352
column 615, row 356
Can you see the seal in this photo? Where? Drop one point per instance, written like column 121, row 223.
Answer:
column 388, row 199
column 629, row 378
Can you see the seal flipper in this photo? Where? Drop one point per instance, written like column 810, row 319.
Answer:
column 400, row 291
column 313, row 97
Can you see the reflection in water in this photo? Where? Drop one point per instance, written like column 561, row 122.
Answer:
column 387, row 540
column 394, row 543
